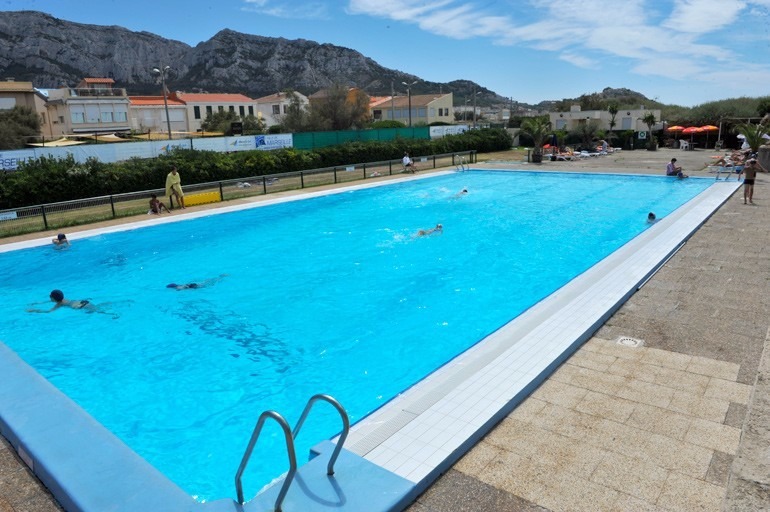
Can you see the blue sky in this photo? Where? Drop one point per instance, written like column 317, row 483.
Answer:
column 684, row 52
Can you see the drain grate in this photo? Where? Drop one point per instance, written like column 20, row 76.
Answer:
column 627, row 341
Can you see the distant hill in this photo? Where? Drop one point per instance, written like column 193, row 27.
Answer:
column 51, row 52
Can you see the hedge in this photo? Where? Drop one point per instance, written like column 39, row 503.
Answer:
column 50, row 180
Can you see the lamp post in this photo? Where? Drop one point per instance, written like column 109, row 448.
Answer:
column 409, row 95
column 474, row 105
column 163, row 71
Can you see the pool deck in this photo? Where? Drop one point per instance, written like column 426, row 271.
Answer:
column 679, row 423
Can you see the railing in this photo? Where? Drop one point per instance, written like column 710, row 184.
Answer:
column 250, row 448
column 43, row 217
column 290, row 436
column 91, row 92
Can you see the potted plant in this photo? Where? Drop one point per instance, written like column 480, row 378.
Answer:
column 537, row 128
column 650, row 121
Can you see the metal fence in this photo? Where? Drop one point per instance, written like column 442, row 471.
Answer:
column 30, row 219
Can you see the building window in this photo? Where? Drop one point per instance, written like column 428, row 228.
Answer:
column 561, row 124
column 251, row 110
column 242, row 110
column 285, row 108
column 121, row 116
column 221, row 108
column 61, row 119
column 625, row 123
column 197, row 112
column 276, row 110
column 77, row 117
column 209, row 110
column 422, row 112
column 106, row 117
column 377, row 114
column 232, row 108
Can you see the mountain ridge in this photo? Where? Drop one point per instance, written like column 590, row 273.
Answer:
column 50, row 52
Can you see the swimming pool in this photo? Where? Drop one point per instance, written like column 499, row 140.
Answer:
column 288, row 305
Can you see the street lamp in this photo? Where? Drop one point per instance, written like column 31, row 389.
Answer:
column 474, row 105
column 409, row 95
column 163, row 71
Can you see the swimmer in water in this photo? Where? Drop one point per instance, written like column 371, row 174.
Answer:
column 57, row 296
column 61, row 240
column 426, row 232
column 461, row 193
column 651, row 218
column 193, row 286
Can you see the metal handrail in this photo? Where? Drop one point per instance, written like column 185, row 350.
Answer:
column 253, row 441
column 345, row 426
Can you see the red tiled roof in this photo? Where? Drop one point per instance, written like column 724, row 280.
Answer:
column 153, row 100
column 212, row 98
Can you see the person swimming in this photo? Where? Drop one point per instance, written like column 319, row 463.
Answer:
column 193, row 286
column 436, row 230
column 57, row 296
column 461, row 193
column 61, row 240
column 651, row 217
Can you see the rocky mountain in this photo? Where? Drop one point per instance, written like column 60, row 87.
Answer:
column 51, row 52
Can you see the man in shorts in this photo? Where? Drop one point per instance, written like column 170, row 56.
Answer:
column 750, row 173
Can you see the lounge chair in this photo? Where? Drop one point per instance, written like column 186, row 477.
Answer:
column 684, row 145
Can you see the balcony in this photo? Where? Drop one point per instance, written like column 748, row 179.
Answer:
column 96, row 93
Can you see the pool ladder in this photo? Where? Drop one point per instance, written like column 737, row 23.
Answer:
column 461, row 164
column 290, row 436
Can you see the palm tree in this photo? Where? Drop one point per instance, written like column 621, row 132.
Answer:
column 613, row 110
column 753, row 134
column 650, row 121
column 537, row 128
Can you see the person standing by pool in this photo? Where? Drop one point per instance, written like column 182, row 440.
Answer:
column 174, row 187
column 750, row 171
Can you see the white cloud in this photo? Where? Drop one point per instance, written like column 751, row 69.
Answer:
column 657, row 39
column 297, row 9
column 704, row 16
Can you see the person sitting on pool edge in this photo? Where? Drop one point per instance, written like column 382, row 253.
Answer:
column 437, row 230
column 61, row 240
column 193, row 286
column 156, row 206
column 674, row 170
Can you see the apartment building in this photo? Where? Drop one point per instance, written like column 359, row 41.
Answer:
column 94, row 106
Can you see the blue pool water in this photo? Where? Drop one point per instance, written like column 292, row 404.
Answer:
column 332, row 294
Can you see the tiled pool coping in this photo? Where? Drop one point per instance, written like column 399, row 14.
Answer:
column 415, row 437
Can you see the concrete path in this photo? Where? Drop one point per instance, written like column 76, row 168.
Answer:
column 681, row 422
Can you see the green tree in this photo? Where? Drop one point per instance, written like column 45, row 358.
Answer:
column 296, row 118
column 339, row 110
column 222, row 122
column 649, row 120
column 763, row 107
column 753, row 134
column 586, row 132
column 18, row 126
column 612, row 108
column 537, row 128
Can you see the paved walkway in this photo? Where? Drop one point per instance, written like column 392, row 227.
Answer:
column 679, row 423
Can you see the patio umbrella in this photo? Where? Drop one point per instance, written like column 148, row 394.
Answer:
column 709, row 128
column 675, row 128
column 691, row 130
